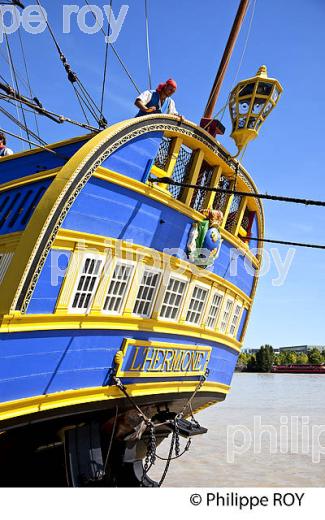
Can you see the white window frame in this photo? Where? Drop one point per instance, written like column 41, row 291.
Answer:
column 153, row 271
column 180, row 278
column 83, row 257
column 222, row 314
column 187, row 309
column 127, row 287
column 233, row 315
column 214, row 293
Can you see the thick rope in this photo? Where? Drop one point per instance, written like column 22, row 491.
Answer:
column 148, row 43
column 286, row 243
column 279, row 198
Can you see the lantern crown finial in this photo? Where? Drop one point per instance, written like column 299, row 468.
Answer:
column 262, row 71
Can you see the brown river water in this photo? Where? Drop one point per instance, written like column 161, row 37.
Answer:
column 270, row 431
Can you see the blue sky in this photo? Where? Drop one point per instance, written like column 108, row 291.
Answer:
column 187, row 40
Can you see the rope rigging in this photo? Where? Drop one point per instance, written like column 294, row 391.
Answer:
column 84, row 96
column 279, row 198
column 106, row 60
column 13, row 2
column 15, row 82
column 28, row 131
column 223, row 109
column 306, row 202
column 27, row 76
column 148, row 42
column 21, row 79
column 116, row 54
column 36, row 105
column 33, row 143
column 286, row 243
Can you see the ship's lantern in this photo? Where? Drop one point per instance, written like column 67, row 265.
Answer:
column 251, row 101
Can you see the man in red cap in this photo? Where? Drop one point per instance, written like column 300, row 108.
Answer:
column 157, row 101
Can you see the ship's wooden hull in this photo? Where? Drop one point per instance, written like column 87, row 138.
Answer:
column 96, row 285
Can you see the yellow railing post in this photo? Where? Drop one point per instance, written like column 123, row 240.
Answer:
column 210, row 195
column 174, row 151
column 241, row 211
column 227, row 208
column 193, row 177
column 159, row 172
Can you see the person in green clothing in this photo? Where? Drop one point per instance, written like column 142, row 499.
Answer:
column 205, row 240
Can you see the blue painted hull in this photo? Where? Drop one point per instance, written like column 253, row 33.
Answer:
column 72, row 332
column 40, row 363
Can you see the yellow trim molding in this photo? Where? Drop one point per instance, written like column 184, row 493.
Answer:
column 9, row 242
column 43, row 403
column 51, row 146
column 35, row 177
column 17, row 322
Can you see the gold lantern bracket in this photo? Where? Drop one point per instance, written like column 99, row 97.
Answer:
column 251, row 101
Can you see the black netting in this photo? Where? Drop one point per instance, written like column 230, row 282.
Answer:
column 246, row 222
column 181, row 171
column 163, row 154
column 220, row 200
column 204, row 179
column 233, row 213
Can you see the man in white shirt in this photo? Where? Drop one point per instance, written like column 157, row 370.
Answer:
column 157, row 101
column 4, row 150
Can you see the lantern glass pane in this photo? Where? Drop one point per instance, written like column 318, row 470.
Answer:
column 258, row 124
column 258, row 105
column 246, row 90
column 244, row 106
column 242, row 122
column 267, row 109
column 275, row 94
column 264, row 88
column 252, row 122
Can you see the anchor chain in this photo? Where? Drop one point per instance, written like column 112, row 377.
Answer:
column 151, row 454
column 151, row 451
column 202, row 380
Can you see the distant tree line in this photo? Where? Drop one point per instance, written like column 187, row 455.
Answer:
column 265, row 358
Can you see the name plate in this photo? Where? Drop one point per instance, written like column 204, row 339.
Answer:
column 158, row 359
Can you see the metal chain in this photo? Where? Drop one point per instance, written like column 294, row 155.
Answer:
column 151, row 454
column 123, row 389
column 202, row 380
column 169, row 459
column 187, row 447
column 151, row 451
column 177, row 442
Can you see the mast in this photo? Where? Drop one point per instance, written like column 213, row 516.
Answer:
column 208, row 113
